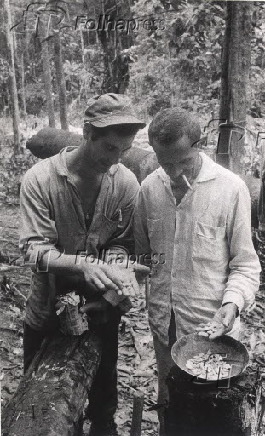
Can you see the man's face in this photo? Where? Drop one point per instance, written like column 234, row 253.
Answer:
column 107, row 150
column 177, row 158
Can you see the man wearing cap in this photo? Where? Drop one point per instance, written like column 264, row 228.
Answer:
column 73, row 206
column 198, row 214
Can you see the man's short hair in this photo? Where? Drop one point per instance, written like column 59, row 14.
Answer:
column 119, row 129
column 171, row 125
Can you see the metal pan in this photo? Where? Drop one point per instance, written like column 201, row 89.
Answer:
column 189, row 346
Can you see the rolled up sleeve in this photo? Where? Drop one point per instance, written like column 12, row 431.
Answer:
column 244, row 276
column 37, row 230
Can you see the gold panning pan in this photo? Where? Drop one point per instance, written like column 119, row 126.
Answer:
column 191, row 345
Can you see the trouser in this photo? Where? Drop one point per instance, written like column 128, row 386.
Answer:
column 164, row 365
column 103, row 397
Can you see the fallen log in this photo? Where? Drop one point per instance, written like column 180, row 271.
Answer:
column 51, row 396
column 50, row 141
column 141, row 162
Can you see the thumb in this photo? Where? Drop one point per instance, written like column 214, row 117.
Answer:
column 226, row 319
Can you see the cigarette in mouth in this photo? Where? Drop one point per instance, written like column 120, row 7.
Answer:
column 186, row 181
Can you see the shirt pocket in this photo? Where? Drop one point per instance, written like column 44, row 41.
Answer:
column 209, row 242
column 156, row 235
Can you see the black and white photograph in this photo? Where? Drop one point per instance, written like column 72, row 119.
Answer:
column 132, row 218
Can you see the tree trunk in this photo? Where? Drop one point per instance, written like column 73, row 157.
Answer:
column 113, row 41
column 12, row 77
column 236, row 60
column 51, row 396
column 60, row 81
column 46, row 72
column 207, row 409
column 23, row 95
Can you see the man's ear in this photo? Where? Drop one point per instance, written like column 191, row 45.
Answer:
column 87, row 131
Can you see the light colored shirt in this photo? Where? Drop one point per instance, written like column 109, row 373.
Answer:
column 206, row 244
column 52, row 214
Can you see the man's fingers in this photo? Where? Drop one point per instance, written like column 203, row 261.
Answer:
column 98, row 283
column 226, row 321
column 141, row 268
column 103, row 282
column 208, row 329
column 202, row 327
column 114, row 277
column 221, row 324
column 219, row 332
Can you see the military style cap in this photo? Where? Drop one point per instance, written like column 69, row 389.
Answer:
column 110, row 109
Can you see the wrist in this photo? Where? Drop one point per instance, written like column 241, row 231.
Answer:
column 83, row 263
column 233, row 306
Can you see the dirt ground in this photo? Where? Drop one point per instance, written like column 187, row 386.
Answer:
column 137, row 370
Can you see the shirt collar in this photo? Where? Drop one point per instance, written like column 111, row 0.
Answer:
column 60, row 160
column 208, row 171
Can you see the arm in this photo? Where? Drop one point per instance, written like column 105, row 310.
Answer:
column 38, row 243
column 121, row 245
column 142, row 244
column 243, row 280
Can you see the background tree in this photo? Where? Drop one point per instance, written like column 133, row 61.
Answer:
column 12, row 77
column 58, row 61
column 47, row 77
column 236, row 62
column 112, row 18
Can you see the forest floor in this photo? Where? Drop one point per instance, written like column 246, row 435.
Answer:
column 136, row 365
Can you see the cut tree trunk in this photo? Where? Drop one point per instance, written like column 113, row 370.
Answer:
column 207, row 409
column 51, row 397
column 236, row 61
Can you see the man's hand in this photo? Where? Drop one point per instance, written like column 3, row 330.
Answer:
column 221, row 323
column 100, row 277
column 141, row 272
column 103, row 277
column 127, row 273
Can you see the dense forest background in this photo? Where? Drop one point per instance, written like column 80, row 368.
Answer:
column 54, row 56
column 159, row 52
